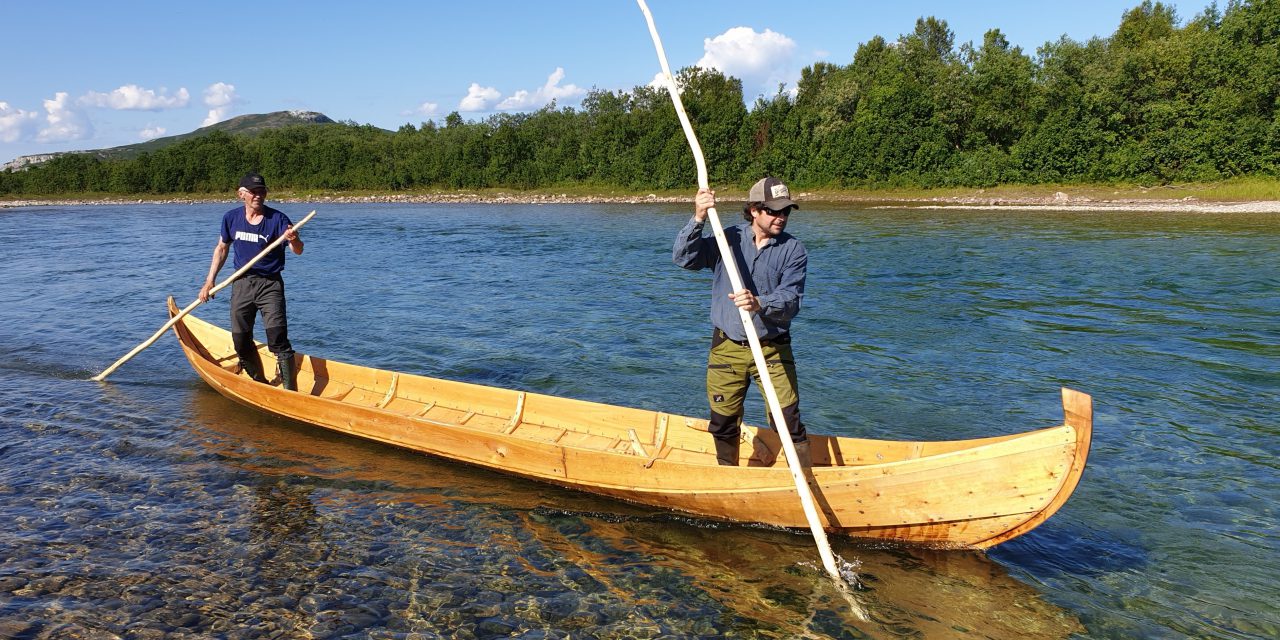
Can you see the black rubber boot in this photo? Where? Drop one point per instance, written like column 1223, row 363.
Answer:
column 284, row 364
column 727, row 452
column 250, row 362
column 253, row 367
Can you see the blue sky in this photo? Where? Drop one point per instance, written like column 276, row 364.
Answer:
column 89, row 74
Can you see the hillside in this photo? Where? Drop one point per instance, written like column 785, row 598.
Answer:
column 248, row 125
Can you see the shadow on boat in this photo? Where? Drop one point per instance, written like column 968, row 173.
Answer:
column 766, row 581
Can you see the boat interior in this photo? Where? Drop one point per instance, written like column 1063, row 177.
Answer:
column 651, row 435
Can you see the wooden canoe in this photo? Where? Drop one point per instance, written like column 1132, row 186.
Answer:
column 957, row 494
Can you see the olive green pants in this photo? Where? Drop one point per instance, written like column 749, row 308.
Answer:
column 730, row 369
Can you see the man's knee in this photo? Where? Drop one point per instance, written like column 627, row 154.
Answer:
column 791, row 413
column 722, row 427
column 243, row 342
column 278, row 340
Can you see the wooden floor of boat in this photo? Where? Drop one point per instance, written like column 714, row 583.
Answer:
column 434, row 412
column 683, row 440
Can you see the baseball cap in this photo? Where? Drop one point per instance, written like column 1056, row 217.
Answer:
column 775, row 195
column 252, row 180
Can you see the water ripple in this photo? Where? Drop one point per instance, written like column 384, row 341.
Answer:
column 152, row 506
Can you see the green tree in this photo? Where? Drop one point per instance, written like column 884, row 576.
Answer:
column 1157, row 101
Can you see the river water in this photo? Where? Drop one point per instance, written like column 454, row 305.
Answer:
column 149, row 506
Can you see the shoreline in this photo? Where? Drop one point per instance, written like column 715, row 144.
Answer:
column 1057, row 202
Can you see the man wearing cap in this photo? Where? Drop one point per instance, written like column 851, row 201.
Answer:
column 261, row 289
column 773, row 265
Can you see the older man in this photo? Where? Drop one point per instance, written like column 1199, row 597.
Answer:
column 250, row 228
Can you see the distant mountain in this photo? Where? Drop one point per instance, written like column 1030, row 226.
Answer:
column 248, row 125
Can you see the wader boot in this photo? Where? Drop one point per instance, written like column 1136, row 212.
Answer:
column 284, row 363
column 250, row 362
column 727, row 452
column 803, row 455
column 253, row 367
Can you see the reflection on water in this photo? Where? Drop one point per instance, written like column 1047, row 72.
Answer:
column 152, row 507
column 742, row 580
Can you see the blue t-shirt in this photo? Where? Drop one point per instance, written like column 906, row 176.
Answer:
column 248, row 240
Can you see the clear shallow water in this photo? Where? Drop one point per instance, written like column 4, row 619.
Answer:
column 151, row 506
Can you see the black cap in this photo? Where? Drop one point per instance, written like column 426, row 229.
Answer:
column 252, row 181
column 775, row 195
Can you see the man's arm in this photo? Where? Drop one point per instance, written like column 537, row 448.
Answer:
column 295, row 240
column 692, row 251
column 219, row 258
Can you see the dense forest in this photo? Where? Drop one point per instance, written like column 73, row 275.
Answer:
column 1159, row 101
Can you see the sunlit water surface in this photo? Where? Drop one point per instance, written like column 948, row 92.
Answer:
column 150, row 506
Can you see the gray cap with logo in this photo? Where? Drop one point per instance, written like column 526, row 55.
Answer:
column 775, row 195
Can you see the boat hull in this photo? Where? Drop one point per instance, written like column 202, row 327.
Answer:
column 962, row 494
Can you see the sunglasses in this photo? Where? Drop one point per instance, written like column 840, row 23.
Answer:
column 779, row 214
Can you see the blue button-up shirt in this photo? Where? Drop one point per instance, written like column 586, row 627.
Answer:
column 774, row 273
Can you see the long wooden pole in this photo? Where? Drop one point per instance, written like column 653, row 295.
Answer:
column 731, row 267
column 197, row 302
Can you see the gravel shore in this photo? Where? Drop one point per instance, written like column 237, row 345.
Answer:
column 1057, row 202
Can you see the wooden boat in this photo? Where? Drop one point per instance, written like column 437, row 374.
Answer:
column 967, row 493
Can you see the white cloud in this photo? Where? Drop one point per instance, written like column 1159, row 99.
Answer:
column 219, row 97
column 543, row 95
column 478, row 98
column 65, row 122
column 16, row 124
column 659, row 81
column 151, row 133
column 760, row 60
column 428, row 109
column 133, row 97
column 521, row 99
